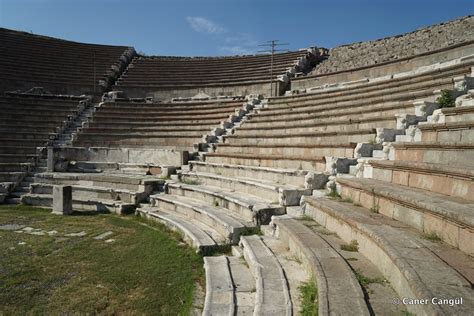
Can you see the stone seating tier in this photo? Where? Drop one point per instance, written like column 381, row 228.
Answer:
column 396, row 249
column 186, row 72
column 368, row 88
column 31, row 60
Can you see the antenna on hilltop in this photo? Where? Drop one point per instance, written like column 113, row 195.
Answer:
column 273, row 44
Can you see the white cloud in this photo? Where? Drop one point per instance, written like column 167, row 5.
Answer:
column 237, row 50
column 203, row 25
column 242, row 39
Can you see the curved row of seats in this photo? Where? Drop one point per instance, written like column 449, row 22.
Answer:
column 167, row 72
column 173, row 125
column 59, row 66
column 287, row 149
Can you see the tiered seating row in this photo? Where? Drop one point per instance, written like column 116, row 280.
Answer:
column 28, row 123
column 168, row 72
column 59, row 66
column 178, row 125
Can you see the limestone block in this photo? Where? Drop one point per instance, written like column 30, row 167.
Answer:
column 425, row 108
column 315, row 181
column 62, row 200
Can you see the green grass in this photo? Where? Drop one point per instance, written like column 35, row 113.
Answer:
column 333, row 194
column 145, row 270
column 406, row 313
column 364, row 281
column 308, row 297
column 189, row 181
column 432, row 236
column 353, row 246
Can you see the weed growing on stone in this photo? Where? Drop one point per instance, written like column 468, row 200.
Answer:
column 308, row 295
column 432, row 236
column 333, row 194
column 364, row 281
column 189, row 181
column 353, row 246
column 445, row 100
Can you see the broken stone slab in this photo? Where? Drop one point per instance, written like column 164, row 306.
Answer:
column 103, row 235
column 79, row 234
column 424, row 108
column 11, row 227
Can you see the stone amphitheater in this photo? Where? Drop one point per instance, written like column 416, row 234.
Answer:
column 353, row 170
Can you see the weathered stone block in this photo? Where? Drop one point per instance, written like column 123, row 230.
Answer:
column 62, row 200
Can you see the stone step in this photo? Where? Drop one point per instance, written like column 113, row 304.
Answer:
column 372, row 89
column 333, row 275
column 310, row 163
column 331, row 115
column 379, row 294
column 244, row 285
column 358, row 136
column 220, row 299
column 457, row 132
column 452, row 115
column 285, row 195
column 249, row 208
column 450, row 218
column 13, row 200
column 453, row 154
column 218, row 218
column 11, row 176
column 107, row 206
column 93, row 193
column 322, row 126
column 294, row 177
column 272, row 293
column 453, row 181
column 296, row 275
column 397, row 251
column 116, row 181
column 199, row 236
column 15, row 167
column 291, row 149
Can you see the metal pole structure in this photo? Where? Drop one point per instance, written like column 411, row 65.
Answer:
column 95, row 75
column 272, row 45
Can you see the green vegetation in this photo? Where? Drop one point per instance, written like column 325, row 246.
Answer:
column 446, row 100
column 407, row 313
column 353, row 246
column 306, row 218
column 141, row 268
column 431, row 236
column 308, row 297
column 364, row 281
column 189, row 181
column 333, row 194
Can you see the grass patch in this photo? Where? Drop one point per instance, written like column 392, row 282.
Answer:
column 306, row 218
column 352, row 259
column 365, row 281
column 407, row 313
column 308, row 296
column 446, row 99
column 432, row 236
column 144, row 270
column 333, row 194
column 251, row 230
column 189, row 181
column 353, row 246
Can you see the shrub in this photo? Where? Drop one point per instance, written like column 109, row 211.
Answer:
column 446, row 99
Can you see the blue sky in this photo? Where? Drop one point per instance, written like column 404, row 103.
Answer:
column 225, row 27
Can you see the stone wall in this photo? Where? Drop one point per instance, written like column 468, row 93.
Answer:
column 363, row 54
